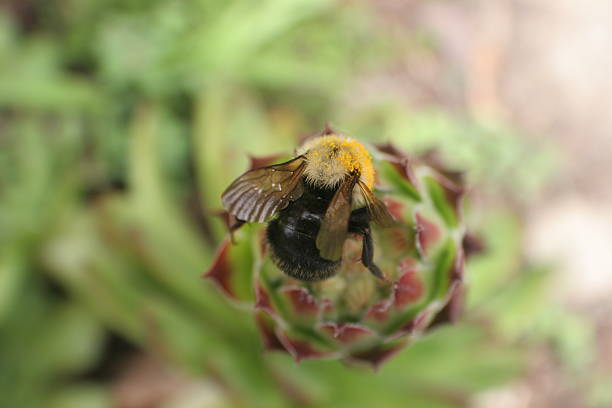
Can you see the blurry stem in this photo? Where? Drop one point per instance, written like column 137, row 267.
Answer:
column 11, row 277
column 161, row 224
column 210, row 151
column 144, row 174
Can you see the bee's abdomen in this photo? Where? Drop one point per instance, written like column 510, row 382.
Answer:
column 292, row 236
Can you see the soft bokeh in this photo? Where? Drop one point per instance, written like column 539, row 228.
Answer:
column 122, row 121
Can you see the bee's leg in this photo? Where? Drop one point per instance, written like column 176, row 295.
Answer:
column 359, row 220
column 237, row 224
column 359, row 223
column 367, row 254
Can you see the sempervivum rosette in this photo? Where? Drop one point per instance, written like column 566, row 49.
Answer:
column 353, row 315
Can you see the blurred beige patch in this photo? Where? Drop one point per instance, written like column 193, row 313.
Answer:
column 514, row 396
column 575, row 235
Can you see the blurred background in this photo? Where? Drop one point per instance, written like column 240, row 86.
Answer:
column 121, row 121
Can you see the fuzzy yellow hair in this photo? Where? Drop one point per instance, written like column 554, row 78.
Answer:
column 331, row 158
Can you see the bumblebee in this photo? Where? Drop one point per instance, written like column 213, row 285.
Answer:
column 312, row 203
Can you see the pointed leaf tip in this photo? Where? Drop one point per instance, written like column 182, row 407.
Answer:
column 395, row 208
column 409, row 287
column 379, row 312
column 377, row 356
column 257, row 162
column 266, row 326
column 220, row 270
column 427, row 234
column 300, row 349
column 347, row 333
column 328, row 130
column 451, row 312
column 232, row 266
column 401, row 162
column 304, row 308
column 262, row 300
column 473, row 245
column 419, row 324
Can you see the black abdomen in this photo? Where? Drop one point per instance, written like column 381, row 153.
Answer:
column 292, row 237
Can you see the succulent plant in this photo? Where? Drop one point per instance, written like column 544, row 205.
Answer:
column 353, row 316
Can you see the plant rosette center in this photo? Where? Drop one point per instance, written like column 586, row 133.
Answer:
column 353, row 315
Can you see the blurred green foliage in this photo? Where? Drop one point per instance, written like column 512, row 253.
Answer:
column 120, row 124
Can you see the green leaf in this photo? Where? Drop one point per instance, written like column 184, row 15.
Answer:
column 11, row 276
column 81, row 396
column 440, row 201
column 398, row 182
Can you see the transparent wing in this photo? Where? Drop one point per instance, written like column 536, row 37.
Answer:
column 258, row 194
column 332, row 234
column 376, row 209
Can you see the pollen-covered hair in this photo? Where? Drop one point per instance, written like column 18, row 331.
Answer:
column 332, row 157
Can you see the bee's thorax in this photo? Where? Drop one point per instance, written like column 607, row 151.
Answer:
column 332, row 158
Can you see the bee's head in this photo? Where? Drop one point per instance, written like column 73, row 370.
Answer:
column 331, row 158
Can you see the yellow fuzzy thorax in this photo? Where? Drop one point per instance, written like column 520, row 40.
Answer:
column 331, row 158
